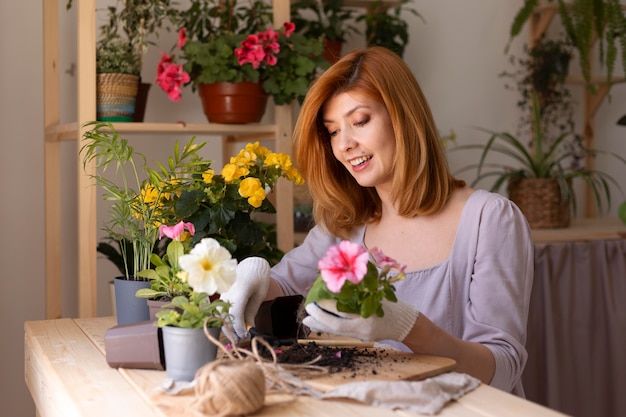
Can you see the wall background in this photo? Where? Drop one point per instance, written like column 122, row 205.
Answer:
column 456, row 56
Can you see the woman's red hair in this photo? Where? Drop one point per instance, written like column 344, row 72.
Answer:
column 422, row 181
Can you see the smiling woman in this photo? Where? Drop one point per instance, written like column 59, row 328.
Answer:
column 367, row 144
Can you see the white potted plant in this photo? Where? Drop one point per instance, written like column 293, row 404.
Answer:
column 185, row 344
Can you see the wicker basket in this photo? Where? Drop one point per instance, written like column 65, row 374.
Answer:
column 115, row 97
column 541, row 202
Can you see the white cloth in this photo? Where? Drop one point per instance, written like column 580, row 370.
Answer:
column 425, row 397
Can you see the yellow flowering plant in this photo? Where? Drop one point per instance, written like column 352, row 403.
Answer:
column 218, row 205
column 222, row 205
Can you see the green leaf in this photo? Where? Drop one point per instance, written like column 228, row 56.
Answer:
column 317, row 292
column 621, row 212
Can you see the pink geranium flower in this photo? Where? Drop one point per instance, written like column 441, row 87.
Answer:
column 171, row 77
column 175, row 232
column 290, row 27
column 344, row 262
column 258, row 48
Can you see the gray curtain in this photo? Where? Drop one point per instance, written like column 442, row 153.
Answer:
column 577, row 328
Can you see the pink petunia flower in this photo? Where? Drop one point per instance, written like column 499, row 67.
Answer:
column 344, row 262
column 176, row 231
column 386, row 263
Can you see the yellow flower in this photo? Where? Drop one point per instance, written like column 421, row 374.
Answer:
column 257, row 149
column 293, row 175
column 231, row 172
column 172, row 184
column 244, row 158
column 252, row 189
column 149, row 194
column 207, row 176
column 281, row 160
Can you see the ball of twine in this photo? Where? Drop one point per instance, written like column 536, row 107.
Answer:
column 237, row 386
column 227, row 387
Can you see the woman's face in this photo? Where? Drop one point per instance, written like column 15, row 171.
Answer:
column 361, row 136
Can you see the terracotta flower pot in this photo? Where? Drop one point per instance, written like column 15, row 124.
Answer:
column 242, row 102
column 332, row 51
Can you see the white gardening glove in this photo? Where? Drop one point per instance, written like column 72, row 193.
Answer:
column 396, row 323
column 247, row 293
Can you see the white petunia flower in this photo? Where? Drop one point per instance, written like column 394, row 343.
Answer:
column 210, row 267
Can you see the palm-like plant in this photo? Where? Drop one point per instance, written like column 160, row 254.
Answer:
column 542, row 161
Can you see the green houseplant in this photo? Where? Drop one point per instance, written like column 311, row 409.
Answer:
column 219, row 205
column 330, row 20
column 116, row 56
column 384, row 25
column 135, row 23
column 135, row 213
column 542, row 71
column 584, row 22
column 546, row 162
column 140, row 21
column 117, row 80
column 166, row 278
column 227, row 42
column 542, row 158
column 209, row 269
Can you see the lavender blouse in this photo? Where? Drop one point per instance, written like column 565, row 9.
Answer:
column 480, row 293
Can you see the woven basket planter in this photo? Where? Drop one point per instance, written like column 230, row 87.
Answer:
column 115, row 97
column 541, row 202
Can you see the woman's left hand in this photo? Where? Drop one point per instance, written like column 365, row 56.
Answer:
column 395, row 324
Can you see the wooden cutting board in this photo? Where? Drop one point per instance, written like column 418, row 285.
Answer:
column 378, row 364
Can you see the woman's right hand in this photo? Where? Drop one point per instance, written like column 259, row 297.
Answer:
column 247, row 294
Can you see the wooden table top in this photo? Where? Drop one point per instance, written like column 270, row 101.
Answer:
column 67, row 375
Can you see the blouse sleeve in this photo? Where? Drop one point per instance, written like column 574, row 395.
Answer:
column 297, row 270
column 500, row 287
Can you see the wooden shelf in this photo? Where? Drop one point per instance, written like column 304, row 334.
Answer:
column 70, row 131
column 55, row 133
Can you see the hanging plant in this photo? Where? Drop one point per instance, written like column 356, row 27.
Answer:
column 584, row 22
